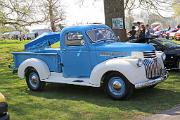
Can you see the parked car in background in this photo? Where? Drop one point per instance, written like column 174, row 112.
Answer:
column 171, row 33
column 38, row 32
column 3, row 108
column 12, row 35
column 177, row 35
column 159, row 34
column 171, row 49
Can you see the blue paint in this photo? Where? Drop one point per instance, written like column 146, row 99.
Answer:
column 43, row 41
column 75, row 61
column 51, row 59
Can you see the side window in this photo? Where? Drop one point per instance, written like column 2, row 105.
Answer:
column 74, row 39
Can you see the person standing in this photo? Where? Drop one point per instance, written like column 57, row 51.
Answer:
column 132, row 33
column 142, row 34
column 148, row 32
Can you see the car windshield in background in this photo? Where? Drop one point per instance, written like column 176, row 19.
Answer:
column 169, row 43
column 101, row 35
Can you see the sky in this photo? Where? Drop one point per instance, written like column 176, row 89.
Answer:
column 89, row 12
column 76, row 13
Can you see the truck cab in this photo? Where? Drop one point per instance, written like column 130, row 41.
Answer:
column 90, row 55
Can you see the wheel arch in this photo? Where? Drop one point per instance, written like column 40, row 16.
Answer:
column 40, row 66
column 124, row 67
column 108, row 73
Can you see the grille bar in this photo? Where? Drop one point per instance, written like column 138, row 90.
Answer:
column 152, row 68
column 149, row 54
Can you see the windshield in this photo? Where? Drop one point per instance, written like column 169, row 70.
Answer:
column 169, row 43
column 101, row 35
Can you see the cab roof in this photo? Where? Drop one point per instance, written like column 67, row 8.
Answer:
column 85, row 27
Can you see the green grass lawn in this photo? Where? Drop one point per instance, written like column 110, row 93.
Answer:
column 68, row 102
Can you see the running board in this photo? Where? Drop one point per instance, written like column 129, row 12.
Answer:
column 58, row 78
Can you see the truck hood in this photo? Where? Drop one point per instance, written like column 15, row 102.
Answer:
column 124, row 47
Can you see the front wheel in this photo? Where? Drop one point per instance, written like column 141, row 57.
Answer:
column 33, row 80
column 118, row 87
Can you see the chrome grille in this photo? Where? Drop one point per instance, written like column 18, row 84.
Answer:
column 149, row 54
column 153, row 68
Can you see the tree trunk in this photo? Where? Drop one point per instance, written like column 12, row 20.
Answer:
column 115, row 9
column 51, row 17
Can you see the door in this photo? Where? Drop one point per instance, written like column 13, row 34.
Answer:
column 75, row 56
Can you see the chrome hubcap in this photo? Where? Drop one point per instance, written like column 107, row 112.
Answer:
column 34, row 80
column 117, row 85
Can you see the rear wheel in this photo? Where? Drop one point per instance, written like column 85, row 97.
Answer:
column 33, row 80
column 118, row 87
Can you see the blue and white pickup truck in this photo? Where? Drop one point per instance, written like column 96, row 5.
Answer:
column 89, row 55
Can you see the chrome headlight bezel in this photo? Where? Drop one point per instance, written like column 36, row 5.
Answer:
column 163, row 56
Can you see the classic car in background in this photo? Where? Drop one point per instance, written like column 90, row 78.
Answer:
column 171, row 33
column 171, row 49
column 3, row 108
column 177, row 35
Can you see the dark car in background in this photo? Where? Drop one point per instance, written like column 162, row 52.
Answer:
column 171, row 49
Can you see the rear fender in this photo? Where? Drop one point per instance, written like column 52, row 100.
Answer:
column 40, row 66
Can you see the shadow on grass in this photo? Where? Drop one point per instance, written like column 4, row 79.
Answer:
column 144, row 100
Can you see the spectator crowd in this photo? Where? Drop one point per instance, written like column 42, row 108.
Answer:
column 142, row 33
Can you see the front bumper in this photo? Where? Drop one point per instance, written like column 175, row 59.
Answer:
column 163, row 77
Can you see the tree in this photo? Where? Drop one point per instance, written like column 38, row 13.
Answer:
column 18, row 12
column 116, row 9
column 53, row 12
column 176, row 7
column 21, row 13
column 4, row 29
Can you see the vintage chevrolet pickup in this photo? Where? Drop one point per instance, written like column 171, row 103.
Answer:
column 89, row 55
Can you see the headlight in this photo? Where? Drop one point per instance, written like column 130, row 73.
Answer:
column 163, row 56
column 137, row 55
column 140, row 62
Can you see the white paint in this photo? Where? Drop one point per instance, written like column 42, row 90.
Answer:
column 39, row 65
column 58, row 78
column 135, row 75
column 127, row 66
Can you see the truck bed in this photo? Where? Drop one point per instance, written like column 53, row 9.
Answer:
column 52, row 59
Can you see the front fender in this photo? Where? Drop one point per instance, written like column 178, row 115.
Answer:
column 127, row 67
column 40, row 66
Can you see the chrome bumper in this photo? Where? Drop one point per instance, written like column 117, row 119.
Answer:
column 163, row 77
